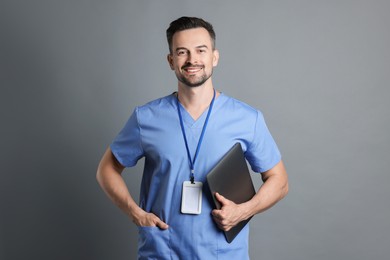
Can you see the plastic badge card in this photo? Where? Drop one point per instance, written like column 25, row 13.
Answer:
column 191, row 199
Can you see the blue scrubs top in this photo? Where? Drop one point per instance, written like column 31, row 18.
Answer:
column 153, row 131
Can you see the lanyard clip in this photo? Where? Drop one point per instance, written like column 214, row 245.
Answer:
column 192, row 178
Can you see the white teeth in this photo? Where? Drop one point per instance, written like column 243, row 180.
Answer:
column 193, row 70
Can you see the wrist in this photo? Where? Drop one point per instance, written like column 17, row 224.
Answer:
column 135, row 213
column 247, row 210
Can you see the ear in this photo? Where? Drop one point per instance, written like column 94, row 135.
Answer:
column 215, row 57
column 170, row 61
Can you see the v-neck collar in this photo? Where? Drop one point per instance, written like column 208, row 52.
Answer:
column 188, row 119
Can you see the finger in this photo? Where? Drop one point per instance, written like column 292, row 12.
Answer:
column 161, row 224
column 227, row 228
column 216, row 214
column 222, row 225
column 218, row 222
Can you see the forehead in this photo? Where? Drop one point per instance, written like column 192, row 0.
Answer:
column 191, row 38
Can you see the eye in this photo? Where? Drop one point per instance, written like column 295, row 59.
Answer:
column 181, row 53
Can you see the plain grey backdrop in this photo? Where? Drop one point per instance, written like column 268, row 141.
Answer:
column 71, row 72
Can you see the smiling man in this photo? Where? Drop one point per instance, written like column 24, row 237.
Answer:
column 182, row 136
column 193, row 57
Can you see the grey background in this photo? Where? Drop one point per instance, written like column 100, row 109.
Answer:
column 71, row 73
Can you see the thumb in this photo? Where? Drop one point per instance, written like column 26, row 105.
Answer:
column 221, row 198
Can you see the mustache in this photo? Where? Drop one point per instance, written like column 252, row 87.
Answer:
column 188, row 65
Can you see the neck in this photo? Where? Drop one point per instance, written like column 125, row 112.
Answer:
column 197, row 99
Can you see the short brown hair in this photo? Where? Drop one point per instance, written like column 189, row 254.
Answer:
column 185, row 23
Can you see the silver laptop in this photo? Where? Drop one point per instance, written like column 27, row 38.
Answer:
column 231, row 178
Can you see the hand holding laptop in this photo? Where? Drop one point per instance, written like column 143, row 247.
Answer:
column 229, row 215
column 231, row 185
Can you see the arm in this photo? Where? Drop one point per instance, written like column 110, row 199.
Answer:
column 275, row 188
column 110, row 179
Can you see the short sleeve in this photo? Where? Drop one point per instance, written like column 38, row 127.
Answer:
column 127, row 145
column 262, row 153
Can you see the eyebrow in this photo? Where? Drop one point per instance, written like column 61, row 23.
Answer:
column 201, row 46
column 180, row 48
column 197, row 47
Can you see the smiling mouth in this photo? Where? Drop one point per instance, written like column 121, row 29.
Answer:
column 192, row 70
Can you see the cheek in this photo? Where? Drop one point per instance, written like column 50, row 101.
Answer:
column 177, row 63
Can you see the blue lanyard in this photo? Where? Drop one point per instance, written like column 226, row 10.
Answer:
column 192, row 162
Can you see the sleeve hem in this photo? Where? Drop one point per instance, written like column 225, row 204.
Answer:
column 268, row 167
column 121, row 160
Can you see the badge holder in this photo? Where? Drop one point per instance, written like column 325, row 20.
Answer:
column 191, row 200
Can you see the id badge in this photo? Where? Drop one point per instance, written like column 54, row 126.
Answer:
column 191, row 198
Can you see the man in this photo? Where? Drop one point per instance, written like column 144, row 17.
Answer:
column 182, row 136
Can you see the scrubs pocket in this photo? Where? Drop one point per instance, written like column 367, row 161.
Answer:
column 153, row 243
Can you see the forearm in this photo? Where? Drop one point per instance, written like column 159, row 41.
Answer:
column 110, row 179
column 274, row 188
column 116, row 189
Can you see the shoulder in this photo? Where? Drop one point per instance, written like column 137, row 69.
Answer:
column 233, row 105
column 153, row 111
column 157, row 102
column 156, row 105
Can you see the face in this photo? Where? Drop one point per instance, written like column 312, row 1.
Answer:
column 193, row 57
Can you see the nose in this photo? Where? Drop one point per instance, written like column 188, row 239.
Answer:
column 192, row 58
